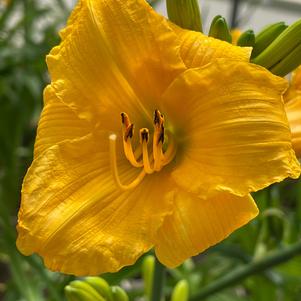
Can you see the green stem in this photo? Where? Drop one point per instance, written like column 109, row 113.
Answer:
column 158, row 282
column 270, row 260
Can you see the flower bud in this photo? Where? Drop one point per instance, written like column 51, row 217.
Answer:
column 101, row 286
column 148, row 266
column 119, row 294
column 283, row 54
column 247, row 39
column 264, row 38
column 289, row 63
column 78, row 294
column 185, row 13
column 181, row 291
column 219, row 29
column 84, row 289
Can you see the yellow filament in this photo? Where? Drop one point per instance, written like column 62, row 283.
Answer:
column 156, row 150
column 113, row 159
column 158, row 157
column 128, row 151
column 144, row 141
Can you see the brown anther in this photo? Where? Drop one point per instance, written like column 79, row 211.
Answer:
column 125, row 120
column 144, row 135
column 161, row 135
column 158, row 118
column 129, row 132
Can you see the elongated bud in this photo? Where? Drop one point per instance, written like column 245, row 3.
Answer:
column 85, row 289
column 148, row 266
column 101, row 286
column 219, row 29
column 264, row 38
column 119, row 294
column 78, row 294
column 247, row 38
column 185, row 13
column 188, row 265
column 181, row 291
column 289, row 63
column 284, row 45
column 70, row 294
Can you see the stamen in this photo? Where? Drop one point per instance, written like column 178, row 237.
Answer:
column 128, row 131
column 125, row 119
column 113, row 158
column 144, row 137
column 150, row 162
column 158, row 140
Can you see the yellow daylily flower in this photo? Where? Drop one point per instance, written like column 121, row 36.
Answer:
column 98, row 194
column 293, row 109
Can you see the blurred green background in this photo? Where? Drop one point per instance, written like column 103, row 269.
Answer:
column 28, row 30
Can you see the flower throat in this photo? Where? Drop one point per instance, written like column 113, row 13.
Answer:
column 149, row 162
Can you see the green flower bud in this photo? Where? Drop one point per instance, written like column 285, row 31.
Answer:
column 285, row 45
column 71, row 294
column 219, row 29
column 289, row 63
column 78, row 294
column 188, row 265
column 247, row 38
column 119, row 294
column 148, row 266
column 181, row 291
column 101, row 286
column 84, row 287
column 185, row 13
column 267, row 36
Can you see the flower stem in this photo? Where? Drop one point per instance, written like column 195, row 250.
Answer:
column 158, row 282
column 270, row 260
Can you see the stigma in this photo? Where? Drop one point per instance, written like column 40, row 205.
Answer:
column 149, row 155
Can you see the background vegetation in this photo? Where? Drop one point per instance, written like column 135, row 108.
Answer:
column 236, row 269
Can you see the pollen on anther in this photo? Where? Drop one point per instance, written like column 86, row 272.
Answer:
column 156, row 117
column 144, row 135
column 129, row 132
column 123, row 117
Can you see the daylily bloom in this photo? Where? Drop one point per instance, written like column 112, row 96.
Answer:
column 293, row 109
column 151, row 137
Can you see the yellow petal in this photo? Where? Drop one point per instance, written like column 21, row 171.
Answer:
column 114, row 54
column 198, row 49
column 57, row 123
column 73, row 215
column 296, row 79
column 196, row 224
column 293, row 110
column 295, row 86
column 234, row 131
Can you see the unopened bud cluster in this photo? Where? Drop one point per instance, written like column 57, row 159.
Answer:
column 94, row 289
